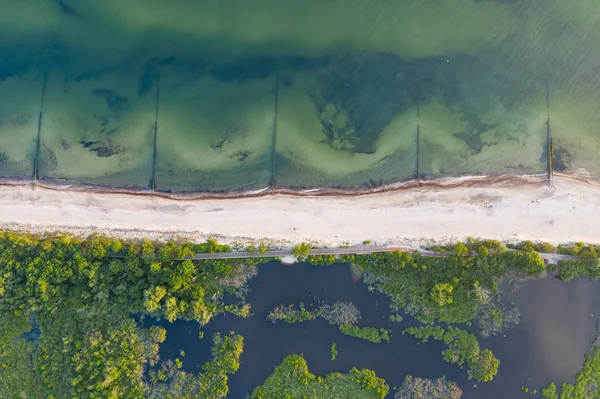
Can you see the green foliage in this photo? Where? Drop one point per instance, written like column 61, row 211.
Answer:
column 16, row 370
column 321, row 260
column 263, row 248
column 367, row 333
column 442, row 294
column 290, row 314
column 549, row 392
column 586, row 384
column 302, row 250
column 426, row 332
column 347, row 258
column 338, row 313
column 93, row 355
column 87, row 345
column 333, row 351
column 38, row 273
column 580, row 249
column 212, row 246
column 292, row 380
column 395, row 318
column 496, row 316
column 448, row 289
column 571, row 268
column 530, row 246
column 471, row 247
column 171, row 383
column 463, row 349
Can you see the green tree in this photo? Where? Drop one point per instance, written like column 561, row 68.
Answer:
column 302, row 250
column 549, row 392
column 153, row 297
column 442, row 294
column 292, row 380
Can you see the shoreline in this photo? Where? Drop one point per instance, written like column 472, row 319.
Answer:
column 506, row 208
column 447, row 182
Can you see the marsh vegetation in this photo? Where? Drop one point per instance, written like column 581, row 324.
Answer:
column 76, row 320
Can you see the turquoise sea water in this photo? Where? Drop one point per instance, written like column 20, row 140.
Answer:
column 230, row 95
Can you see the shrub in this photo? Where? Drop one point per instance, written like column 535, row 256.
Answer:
column 531, row 246
column 290, row 314
column 333, row 351
column 571, row 268
column 463, row 349
column 301, row 251
column 367, row 333
column 321, row 260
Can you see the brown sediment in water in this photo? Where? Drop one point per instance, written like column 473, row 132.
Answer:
column 507, row 180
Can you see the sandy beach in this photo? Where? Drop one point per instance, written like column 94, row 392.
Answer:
column 509, row 211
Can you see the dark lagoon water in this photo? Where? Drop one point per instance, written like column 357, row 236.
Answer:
column 231, row 95
column 558, row 321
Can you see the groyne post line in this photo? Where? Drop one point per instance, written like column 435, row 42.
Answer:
column 550, row 152
column 418, row 139
column 274, row 137
column 418, row 170
column 549, row 141
column 36, row 161
column 419, row 103
column 155, row 133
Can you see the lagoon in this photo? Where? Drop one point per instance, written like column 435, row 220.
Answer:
column 558, row 322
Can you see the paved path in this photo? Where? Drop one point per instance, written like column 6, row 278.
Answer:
column 358, row 250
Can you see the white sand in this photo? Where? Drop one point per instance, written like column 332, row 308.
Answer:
column 570, row 211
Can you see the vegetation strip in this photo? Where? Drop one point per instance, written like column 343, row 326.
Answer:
column 370, row 334
column 67, row 330
column 85, row 342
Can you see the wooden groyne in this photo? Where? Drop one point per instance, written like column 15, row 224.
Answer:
column 36, row 161
column 274, row 139
column 550, row 152
column 154, row 145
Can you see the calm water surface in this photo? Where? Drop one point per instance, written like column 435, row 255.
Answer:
column 230, row 95
column 557, row 324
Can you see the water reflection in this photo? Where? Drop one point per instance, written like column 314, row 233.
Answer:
column 555, row 331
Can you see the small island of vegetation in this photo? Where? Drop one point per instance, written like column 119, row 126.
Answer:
column 291, row 379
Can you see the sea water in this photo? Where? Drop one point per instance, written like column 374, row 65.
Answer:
column 225, row 96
